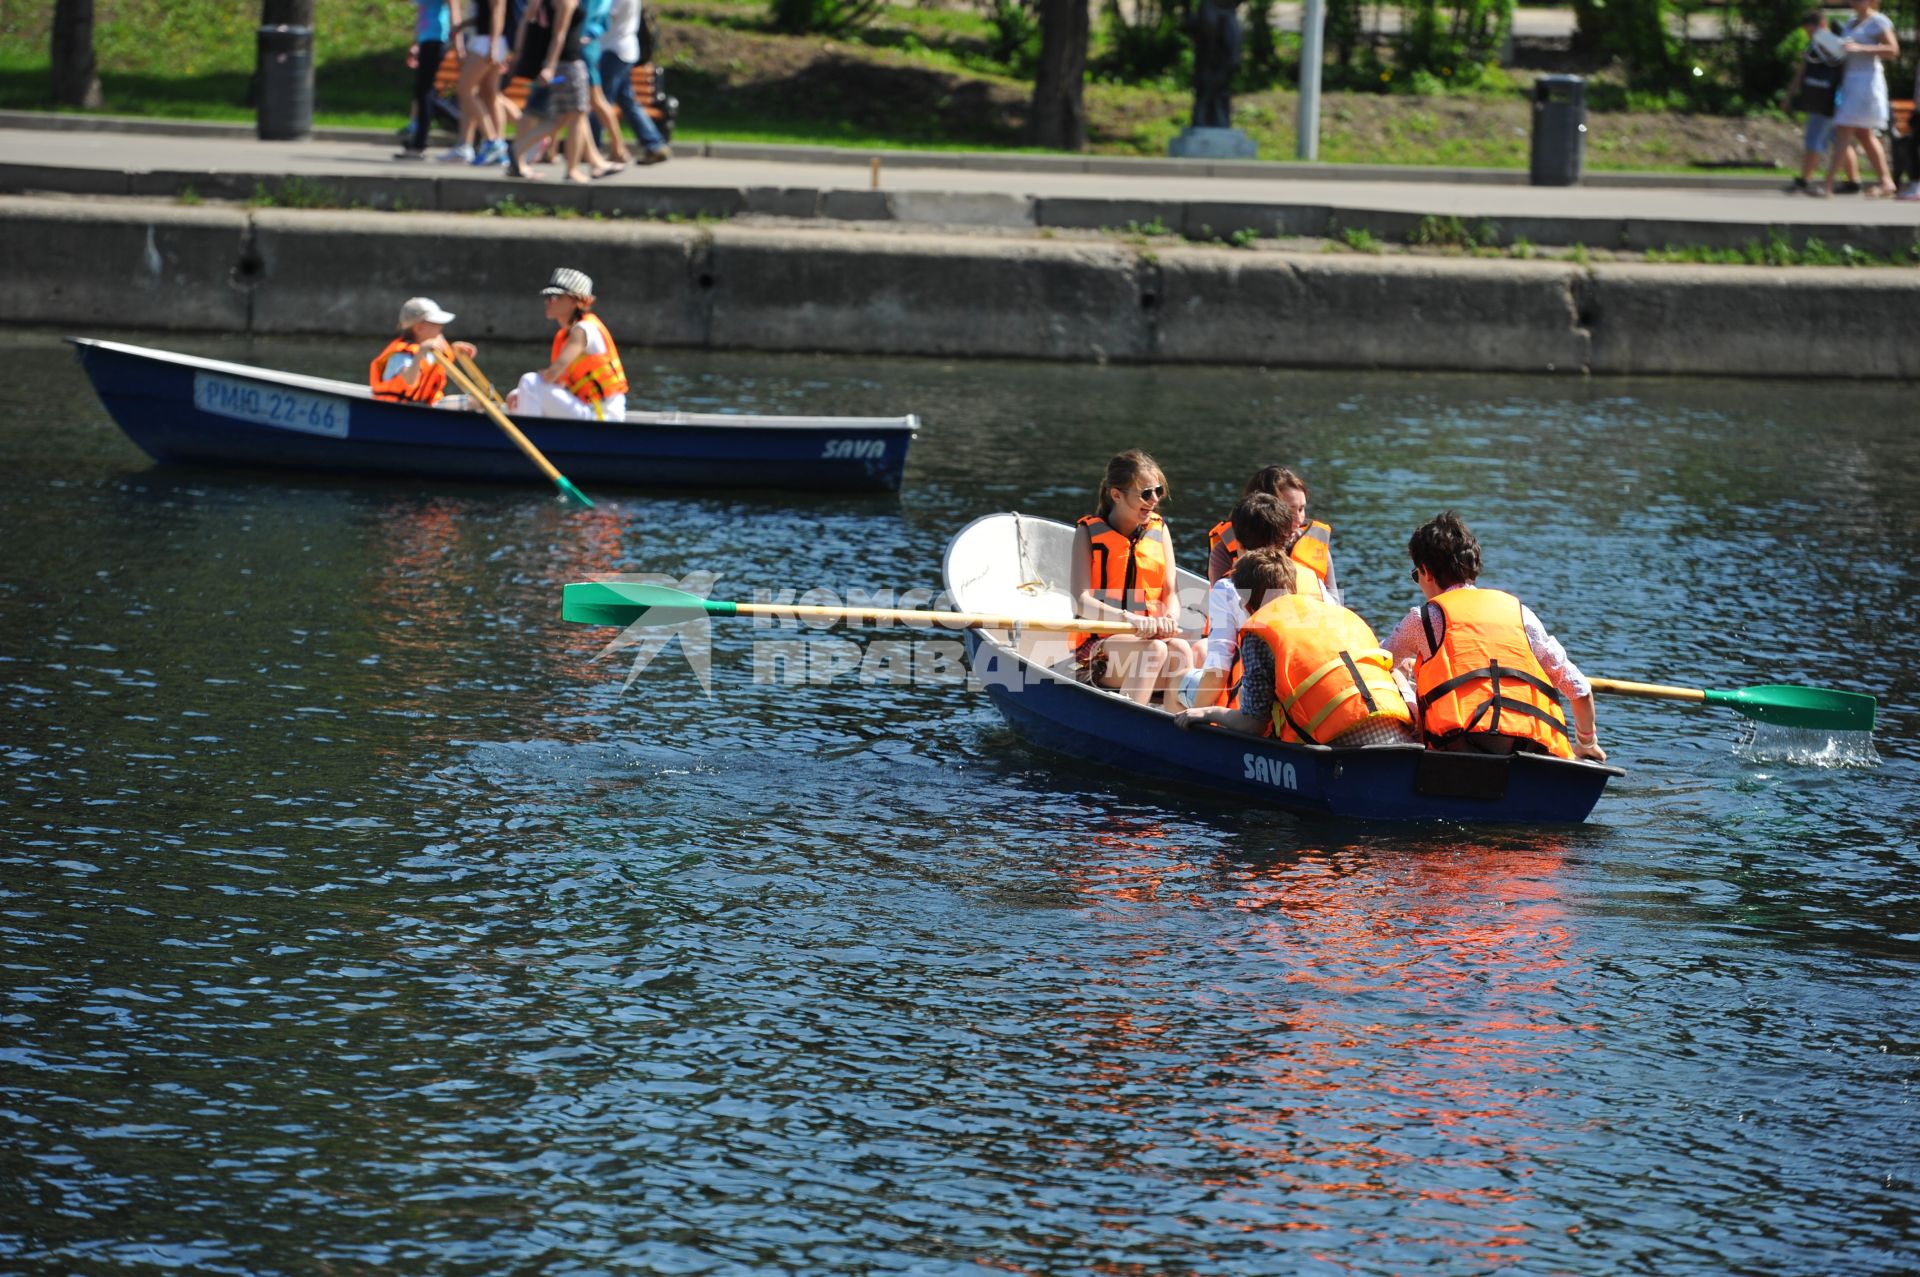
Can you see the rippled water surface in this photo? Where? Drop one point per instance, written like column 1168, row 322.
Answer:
column 355, row 919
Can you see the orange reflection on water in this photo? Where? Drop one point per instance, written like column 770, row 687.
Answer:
column 1379, row 1043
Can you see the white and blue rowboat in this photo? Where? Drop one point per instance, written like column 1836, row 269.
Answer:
column 187, row 410
column 1016, row 565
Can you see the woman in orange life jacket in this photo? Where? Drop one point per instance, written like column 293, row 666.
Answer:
column 1485, row 668
column 1313, row 671
column 1123, row 571
column 1258, row 522
column 409, row 369
column 1310, row 541
column 585, row 380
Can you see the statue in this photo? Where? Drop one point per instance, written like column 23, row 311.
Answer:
column 1216, row 56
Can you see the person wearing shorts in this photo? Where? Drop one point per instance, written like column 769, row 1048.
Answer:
column 563, row 73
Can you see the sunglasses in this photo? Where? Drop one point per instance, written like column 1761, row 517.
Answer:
column 1152, row 494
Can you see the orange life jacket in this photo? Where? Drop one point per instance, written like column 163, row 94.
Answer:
column 1314, row 549
column 432, row 383
column 591, row 378
column 1221, row 535
column 1482, row 676
column 1330, row 674
column 1128, row 571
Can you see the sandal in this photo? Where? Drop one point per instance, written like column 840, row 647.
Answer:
column 1880, row 193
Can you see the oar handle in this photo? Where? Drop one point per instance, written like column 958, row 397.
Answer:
column 915, row 617
column 1655, row 691
column 472, row 370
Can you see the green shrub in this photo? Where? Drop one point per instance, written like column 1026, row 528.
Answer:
column 825, row 17
column 1015, row 42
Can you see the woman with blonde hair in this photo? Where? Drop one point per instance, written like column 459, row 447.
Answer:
column 1123, row 570
column 1862, row 111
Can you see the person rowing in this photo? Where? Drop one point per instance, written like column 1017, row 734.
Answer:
column 1123, row 570
column 1485, row 667
column 585, row 380
column 1309, row 541
column 1313, row 671
column 410, row 369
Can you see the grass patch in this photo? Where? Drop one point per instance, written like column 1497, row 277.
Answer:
column 1775, row 250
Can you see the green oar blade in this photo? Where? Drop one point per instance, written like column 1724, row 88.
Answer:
column 1817, row 708
column 624, row 602
column 572, row 493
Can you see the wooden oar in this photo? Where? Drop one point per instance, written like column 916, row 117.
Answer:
column 1818, row 708
column 485, row 382
column 624, row 602
column 560, row 481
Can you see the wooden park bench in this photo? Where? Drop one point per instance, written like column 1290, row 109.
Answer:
column 649, row 90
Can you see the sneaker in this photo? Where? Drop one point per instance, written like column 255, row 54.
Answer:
column 659, row 155
column 1798, row 186
column 492, row 153
column 461, row 154
column 1909, row 192
column 409, row 154
column 1846, row 188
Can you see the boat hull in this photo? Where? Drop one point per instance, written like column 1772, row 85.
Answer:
column 1055, row 711
column 184, row 410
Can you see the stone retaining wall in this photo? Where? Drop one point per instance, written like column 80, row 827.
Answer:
column 844, row 291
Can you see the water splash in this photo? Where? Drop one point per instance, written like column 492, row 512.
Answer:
column 1808, row 747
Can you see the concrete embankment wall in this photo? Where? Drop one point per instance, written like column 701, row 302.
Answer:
column 848, row 291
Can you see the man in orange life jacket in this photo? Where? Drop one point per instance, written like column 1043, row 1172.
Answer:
column 1485, row 668
column 409, row 369
column 585, row 381
column 1313, row 671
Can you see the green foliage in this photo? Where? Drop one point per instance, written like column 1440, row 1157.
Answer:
column 1260, row 64
column 1454, row 41
column 1775, row 250
column 1450, row 232
column 1522, row 249
column 1360, row 240
column 1150, row 45
column 822, row 17
column 1579, row 255
column 1245, row 237
column 1015, row 40
column 296, row 192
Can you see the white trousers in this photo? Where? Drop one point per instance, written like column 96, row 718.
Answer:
column 541, row 398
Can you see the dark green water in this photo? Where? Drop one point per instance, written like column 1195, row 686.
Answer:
column 355, row 919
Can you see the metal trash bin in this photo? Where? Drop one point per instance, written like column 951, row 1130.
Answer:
column 285, row 58
column 1559, row 130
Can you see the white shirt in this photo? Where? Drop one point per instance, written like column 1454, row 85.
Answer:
column 1226, row 617
column 623, row 31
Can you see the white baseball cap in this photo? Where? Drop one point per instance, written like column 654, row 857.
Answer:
column 418, row 310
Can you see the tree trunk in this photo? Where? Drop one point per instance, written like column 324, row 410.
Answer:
column 76, row 78
column 1059, row 113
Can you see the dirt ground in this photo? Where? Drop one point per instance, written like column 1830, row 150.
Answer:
column 729, row 78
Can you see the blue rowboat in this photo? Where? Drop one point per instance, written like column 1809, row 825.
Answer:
column 1016, row 565
column 184, row 409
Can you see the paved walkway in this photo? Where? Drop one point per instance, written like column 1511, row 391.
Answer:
column 934, row 188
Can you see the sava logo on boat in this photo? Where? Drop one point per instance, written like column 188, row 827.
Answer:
column 1268, row 771
column 855, row 450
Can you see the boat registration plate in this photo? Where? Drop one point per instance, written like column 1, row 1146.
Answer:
column 270, row 405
